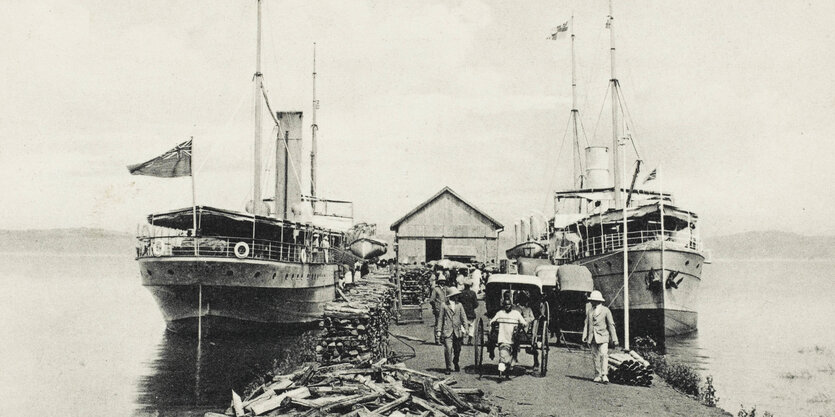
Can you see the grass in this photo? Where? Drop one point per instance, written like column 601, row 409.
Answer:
column 680, row 376
column 752, row 412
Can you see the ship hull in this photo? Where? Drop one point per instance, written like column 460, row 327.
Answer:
column 660, row 305
column 238, row 295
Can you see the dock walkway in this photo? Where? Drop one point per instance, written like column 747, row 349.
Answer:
column 567, row 390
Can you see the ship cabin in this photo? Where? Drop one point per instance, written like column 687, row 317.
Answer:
column 229, row 234
column 587, row 224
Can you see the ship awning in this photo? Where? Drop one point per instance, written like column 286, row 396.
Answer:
column 638, row 218
column 218, row 222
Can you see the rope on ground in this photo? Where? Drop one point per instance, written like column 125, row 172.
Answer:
column 402, row 358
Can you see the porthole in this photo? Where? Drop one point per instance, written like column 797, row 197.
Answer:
column 149, row 272
column 686, row 263
column 275, row 274
column 170, row 272
column 229, row 273
column 257, row 274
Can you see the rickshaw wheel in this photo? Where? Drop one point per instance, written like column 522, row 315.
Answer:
column 545, row 308
column 478, row 345
column 543, row 350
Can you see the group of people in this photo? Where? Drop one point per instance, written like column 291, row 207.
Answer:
column 454, row 310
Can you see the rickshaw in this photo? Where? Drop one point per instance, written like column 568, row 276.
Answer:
column 566, row 288
column 534, row 339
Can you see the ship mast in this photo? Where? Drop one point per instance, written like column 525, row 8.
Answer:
column 614, row 86
column 578, row 168
column 313, row 128
column 256, row 180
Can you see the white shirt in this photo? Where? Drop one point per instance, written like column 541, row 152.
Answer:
column 507, row 322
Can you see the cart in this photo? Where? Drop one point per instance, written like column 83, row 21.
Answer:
column 566, row 288
column 536, row 337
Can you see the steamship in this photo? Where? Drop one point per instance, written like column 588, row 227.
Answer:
column 604, row 215
column 275, row 263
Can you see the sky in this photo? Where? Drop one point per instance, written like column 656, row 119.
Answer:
column 734, row 100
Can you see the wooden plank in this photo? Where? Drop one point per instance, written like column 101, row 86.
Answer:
column 393, row 404
column 459, row 403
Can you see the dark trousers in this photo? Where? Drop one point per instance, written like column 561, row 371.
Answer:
column 452, row 350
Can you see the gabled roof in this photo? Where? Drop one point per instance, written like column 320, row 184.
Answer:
column 496, row 224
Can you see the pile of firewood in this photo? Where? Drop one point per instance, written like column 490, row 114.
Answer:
column 356, row 329
column 629, row 368
column 375, row 389
column 414, row 286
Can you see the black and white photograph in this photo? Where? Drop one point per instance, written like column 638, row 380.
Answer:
column 366, row 208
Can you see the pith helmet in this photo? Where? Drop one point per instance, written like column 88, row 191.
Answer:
column 596, row 296
column 452, row 291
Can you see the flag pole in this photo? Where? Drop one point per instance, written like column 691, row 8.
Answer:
column 663, row 232
column 625, row 255
column 193, row 203
column 196, row 251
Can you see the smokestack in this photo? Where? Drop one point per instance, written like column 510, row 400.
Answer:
column 597, row 167
column 288, row 164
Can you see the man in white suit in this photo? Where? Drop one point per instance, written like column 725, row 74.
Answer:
column 598, row 330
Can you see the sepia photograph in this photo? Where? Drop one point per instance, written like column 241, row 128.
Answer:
column 366, row 208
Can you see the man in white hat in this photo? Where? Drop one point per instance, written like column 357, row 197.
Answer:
column 453, row 327
column 437, row 298
column 598, row 330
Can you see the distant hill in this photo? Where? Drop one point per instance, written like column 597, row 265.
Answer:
column 65, row 241
column 771, row 244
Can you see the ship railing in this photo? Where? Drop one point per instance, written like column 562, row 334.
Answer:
column 225, row 247
column 610, row 242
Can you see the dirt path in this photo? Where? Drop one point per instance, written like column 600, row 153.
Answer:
column 567, row 390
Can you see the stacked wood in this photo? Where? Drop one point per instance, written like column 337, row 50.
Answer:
column 629, row 368
column 414, row 286
column 356, row 329
column 360, row 390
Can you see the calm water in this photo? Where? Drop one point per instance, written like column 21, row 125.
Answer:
column 765, row 334
column 81, row 335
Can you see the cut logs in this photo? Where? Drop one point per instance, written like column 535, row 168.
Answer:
column 356, row 330
column 629, row 368
column 362, row 390
column 414, row 286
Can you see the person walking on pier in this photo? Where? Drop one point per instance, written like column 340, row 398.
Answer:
column 453, row 324
column 508, row 320
column 469, row 301
column 437, row 299
column 598, row 330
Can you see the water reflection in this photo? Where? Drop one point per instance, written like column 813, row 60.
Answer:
column 189, row 376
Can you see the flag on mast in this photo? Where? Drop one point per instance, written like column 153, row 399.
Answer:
column 174, row 163
column 651, row 176
column 555, row 32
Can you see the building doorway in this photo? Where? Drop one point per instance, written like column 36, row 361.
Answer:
column 433, row 250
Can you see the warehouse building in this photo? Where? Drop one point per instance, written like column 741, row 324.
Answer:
column 447, row 227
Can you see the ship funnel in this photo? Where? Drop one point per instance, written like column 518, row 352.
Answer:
column 597, row 167
column 288, row 163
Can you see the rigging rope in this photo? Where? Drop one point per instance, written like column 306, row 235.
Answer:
column 628, row 276
column 551, row 178
column 627, row 114
column 600, row 114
